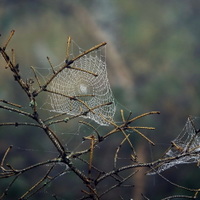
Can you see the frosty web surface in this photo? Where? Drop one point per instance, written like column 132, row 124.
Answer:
column 84, row 89
column 185, row 148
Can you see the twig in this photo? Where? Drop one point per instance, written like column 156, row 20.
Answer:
column 117, row 151
column 130, row 144
column 118, row 184
column 4, row 157
column 177, row 185
column 49, row 180
column 82, row 70
column 92, row 166
column 7, row 173
column 10, row 103
column 122, row 115
column 15, row 70
column 17, row 111
column 146, row 138
column 92, row 140
column 9, row 186
column 19, row 124
column 13, row 57
column 36, row 77
column 51, row 65
column 145, row 197
column 88, row 51
column 143, row 115
column 177, row 197
column 95, row 130
column 55, row 116
column 37, row 183
column 8, row 40
column 125, row 126
column 68, row 48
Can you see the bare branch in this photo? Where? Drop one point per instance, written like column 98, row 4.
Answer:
column 19, row 124
column 51, row 65
column 8, row 40
column 17, row 111
column 89, row 50
column 68, row 48
column 119, row 184
column 10, row 103
column 37, row 184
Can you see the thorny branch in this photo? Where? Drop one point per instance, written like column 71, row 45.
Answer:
column 95, row 175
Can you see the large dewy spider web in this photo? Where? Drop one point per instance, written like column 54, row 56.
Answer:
column 185, row 149
column 84, row 89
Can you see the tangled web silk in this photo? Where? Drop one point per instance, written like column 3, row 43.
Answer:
column 185, row 149
column 87, row 82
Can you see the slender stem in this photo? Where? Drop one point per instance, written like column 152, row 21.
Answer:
column 10, row 103
column 4, row 157
column 145, row 137
column 17, row 111
column 15, row 70
column 19, row 124
column 68, row 48
column 36, row 77
column 51, row 65
column 88, row 51
column 118, row 184
column 82, row 70
column 8, row 40
column 37, row 183
column 52, row 136
column 143, row 115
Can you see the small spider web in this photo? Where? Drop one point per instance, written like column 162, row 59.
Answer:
column 185, row 149
column 89, row 84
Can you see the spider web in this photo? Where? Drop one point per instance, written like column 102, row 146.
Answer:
column 88, row 84
column 185, row 149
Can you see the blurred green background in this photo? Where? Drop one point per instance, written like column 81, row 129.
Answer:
column 153, row 64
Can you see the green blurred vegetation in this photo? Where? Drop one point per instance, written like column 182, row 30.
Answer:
column 158, row 42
